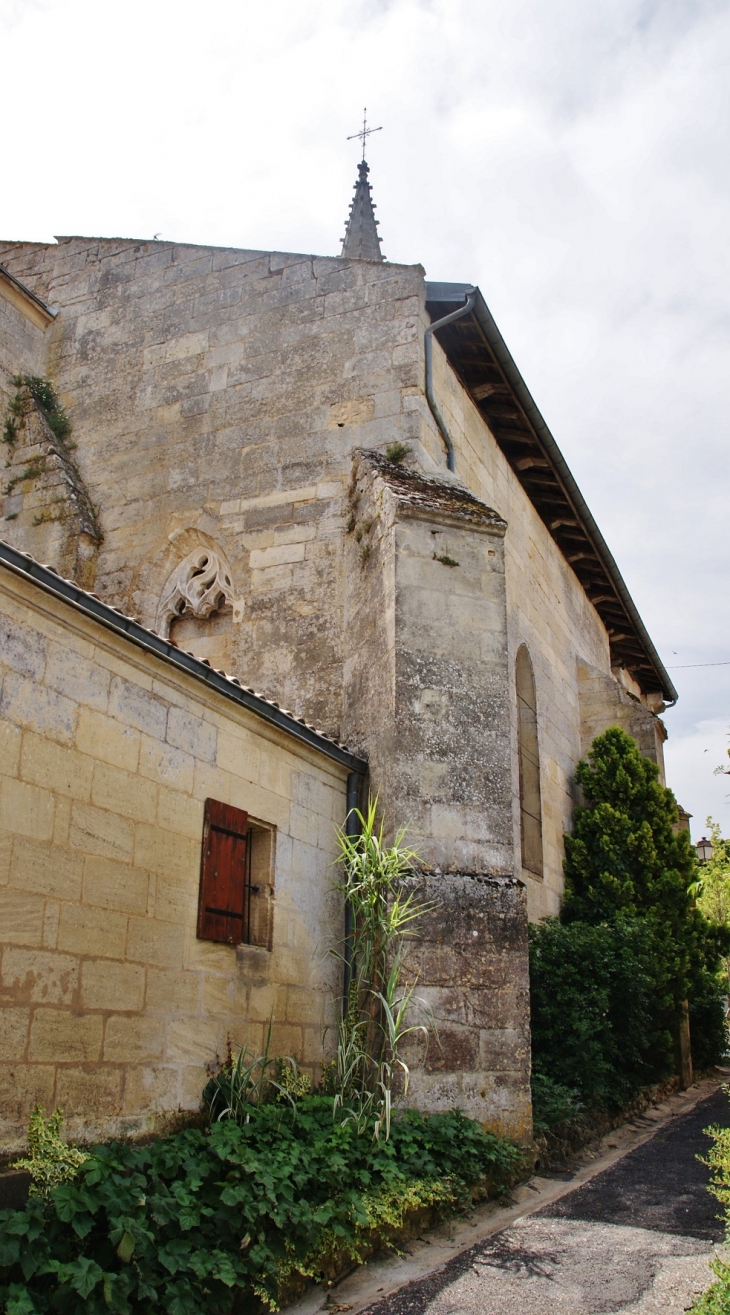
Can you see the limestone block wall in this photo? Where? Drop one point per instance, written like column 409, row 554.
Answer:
column 548, row 611
column 470, row 954
column 427, row 679
column 604, row 703
column 110, row 1006
column 22, row 342
column 223, row 391
column 45, row 499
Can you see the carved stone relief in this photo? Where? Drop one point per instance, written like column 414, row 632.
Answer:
column 199, row 585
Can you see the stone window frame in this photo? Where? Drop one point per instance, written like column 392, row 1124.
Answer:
column 528, row 753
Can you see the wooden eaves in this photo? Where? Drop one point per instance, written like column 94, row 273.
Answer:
column 477, row 352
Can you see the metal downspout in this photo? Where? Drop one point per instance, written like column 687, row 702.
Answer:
column 352, row 829
column 428, row 347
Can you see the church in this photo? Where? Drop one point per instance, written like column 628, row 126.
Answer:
column 279, row 531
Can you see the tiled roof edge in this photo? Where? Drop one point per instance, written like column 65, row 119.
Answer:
column 46, row 312
column 25, row 565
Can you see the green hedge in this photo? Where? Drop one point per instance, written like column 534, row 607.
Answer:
column 185, row 1223
column 609, row 981
column 597, row 1006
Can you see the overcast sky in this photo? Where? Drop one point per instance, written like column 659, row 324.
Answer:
column 569, row 156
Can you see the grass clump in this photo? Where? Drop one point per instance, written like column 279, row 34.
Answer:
column 397, row 453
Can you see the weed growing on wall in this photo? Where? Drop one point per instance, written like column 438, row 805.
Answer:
column 246, row 1081
column 45, row 397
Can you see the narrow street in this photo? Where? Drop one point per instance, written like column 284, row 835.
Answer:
column 634, row 1239
column 629, row 1232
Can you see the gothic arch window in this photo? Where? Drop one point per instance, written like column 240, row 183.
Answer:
column 529, row 760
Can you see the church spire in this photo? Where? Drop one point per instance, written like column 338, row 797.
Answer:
column 362, row 241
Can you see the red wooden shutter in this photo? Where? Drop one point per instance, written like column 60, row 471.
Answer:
column 222, row 907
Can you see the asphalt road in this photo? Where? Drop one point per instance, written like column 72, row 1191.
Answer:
column 635, row 1239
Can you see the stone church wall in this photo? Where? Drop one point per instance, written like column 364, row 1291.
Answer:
column 22, row 343
column 548, row 611
column 109, row 1005
column 223, row 392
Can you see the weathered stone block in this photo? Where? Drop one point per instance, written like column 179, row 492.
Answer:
column 57, row 1033
column 26, row 703
column 151, row 1087
column 191, row 1041
column 104, row 738
column 122, row 792
column 14, row 1024
column 23, row 648
column 21, row 917
column 93, row 1093
column 84, row 930
column 39, row 976
column 99, row 831
column 173, row 993
column 25, row 809
column 154, row 942
column 112, row 986
column 173, row 856
column 45, row 869
column 133, row 1040
column 78, row 676
column 112, row 885
column 22, row 1087
column 134, row 706
column 192, row 734
column 166, row 764
column 56, row 767
column 10, row 741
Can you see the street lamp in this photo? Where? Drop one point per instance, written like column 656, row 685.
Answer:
column 704, row 850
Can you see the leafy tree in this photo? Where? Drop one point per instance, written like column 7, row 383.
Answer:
column 712, row 887
column 626, row 857
column 609, row 981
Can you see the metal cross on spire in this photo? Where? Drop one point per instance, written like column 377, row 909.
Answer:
column 364, row 132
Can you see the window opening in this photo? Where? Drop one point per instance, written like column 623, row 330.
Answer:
column 529, row 765
column 234, row 906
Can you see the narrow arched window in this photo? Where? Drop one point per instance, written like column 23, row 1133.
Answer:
column 529, row 756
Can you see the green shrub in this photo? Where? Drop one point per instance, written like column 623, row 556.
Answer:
column 552, row 1102
column 627, row 862
column 183, row 1224
column 597, row 1003
column 51, row 1160
column 716, row 1300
